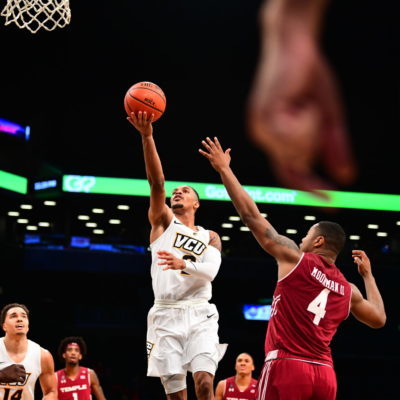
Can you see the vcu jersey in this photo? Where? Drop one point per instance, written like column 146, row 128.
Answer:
column 76, row 389
column 32, row 363
column 232, row 392
column 308, row 306
column 185, row 243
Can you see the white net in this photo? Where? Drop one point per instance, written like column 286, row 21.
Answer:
column 37, row 14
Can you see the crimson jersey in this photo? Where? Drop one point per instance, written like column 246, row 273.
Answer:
column 308, row 306
column 77, row 389
column 232, row 392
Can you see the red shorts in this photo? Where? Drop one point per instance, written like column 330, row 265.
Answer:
column 285, row 379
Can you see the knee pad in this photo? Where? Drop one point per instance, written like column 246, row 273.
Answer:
column 173, row 383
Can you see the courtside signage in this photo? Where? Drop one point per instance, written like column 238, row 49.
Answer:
column 13, row 182
column 217, row 192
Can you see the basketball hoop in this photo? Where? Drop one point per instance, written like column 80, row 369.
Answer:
column 36, row 14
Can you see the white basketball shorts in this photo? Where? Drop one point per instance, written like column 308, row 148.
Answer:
column 180, row 331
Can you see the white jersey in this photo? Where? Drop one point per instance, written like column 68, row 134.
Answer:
column 32, row 363
column 185, row 243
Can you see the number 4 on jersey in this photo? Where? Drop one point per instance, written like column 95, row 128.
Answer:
column 318, row 305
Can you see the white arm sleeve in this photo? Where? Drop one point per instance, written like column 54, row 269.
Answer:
column 207, row 269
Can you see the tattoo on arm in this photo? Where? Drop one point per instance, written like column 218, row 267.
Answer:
column 215, row 240
column 280, row 239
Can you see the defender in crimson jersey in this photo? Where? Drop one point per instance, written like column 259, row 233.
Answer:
column 76, row 382
column 311, row 299
column 242, row 386
column 308, row 305
column 74, row 389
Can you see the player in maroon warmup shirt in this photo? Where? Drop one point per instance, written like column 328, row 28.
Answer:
column 311, row 299
column 75, row 382
column 242, row 386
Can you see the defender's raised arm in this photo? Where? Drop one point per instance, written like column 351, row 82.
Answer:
column 370, row 311
column 285, row 250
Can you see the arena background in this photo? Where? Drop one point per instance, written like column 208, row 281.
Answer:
column 68, row 86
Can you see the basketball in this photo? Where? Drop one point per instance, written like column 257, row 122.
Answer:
column 145, row 96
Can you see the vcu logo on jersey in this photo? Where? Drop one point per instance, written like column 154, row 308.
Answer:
column 189, row 244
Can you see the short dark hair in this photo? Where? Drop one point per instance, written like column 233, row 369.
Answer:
column 7, row 307
column 72, row 339
column 248, row 354
column 334, row 235
column 195, row 191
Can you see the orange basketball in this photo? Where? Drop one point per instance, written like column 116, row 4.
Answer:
column 145, row 96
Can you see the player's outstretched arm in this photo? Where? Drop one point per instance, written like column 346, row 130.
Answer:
column 95, row 386
column 47, row 378
column 282, row 248
column 160, row 214
column 370, row 311
column 219, row 390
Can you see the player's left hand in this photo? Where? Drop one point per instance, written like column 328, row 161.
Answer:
column 362, row 261
column 170, row 261
column 218, row 158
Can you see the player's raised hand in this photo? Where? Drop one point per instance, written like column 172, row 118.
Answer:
column 213, row 151
column 362, row 261
column 170, row 261
column 295, row 113
column 142, row 121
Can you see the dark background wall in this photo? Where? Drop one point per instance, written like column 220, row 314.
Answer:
column 69, row 84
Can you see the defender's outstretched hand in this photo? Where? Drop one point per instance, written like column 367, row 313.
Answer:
column 218, row 158
column 142, row 122
column 362, row 261
column 295, row 113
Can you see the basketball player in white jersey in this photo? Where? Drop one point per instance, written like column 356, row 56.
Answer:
column 182, row 326
column 15, row 347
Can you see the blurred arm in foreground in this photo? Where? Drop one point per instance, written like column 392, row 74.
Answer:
column 295, row 113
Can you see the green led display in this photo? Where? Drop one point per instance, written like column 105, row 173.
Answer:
column 13, row 182
column 214, row 191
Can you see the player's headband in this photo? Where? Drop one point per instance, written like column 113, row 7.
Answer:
column 74, row 344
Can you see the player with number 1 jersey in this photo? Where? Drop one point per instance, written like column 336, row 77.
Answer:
column 74, row 381
column 74, row 389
